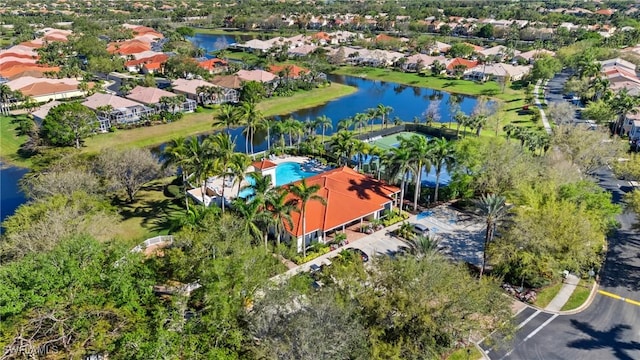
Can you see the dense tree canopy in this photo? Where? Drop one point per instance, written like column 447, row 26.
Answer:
column 68, row 124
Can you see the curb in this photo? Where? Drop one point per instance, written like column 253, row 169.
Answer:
column 586, row 304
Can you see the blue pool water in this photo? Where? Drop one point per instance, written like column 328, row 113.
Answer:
column 286, row 173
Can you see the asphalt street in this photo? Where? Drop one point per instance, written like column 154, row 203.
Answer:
column 610, row 327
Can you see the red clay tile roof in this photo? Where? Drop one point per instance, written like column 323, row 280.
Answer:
column 152, row 66
column 160, row 58
column 384, row 37
column 212, row 63
column 228, row 81
column 321, row 36
column 349, row 196
column 22, row 69
column 607, row 12
column 296, row 71
column 460, row 61
column 44, row 88
column 263, row 164
column 128, row 47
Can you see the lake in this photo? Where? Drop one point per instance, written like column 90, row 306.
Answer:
column 10, row 194
column 216, row 42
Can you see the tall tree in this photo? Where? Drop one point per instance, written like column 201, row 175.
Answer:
column 68, row 124
column 398, row 161
column 280, row 210
column 176, row 153
column 128, row 169
column 252, row 119
column 494, row 209
column 325, row 123
column 383, row 111
column 305, row 194
column 419, row 148
column 222, row 152
column 226, row 117
column 441, row 154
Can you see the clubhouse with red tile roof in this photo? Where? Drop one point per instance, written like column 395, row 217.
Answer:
column 351, row 197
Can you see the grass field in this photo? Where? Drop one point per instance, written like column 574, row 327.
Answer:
column 579, row 296
column 10, row 142
column 469, row 353
column 546, row 294
column 512, row 99
column 199, row 123
column 148, row 215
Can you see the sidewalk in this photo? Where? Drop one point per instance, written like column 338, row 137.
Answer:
column 543, row 116
column 568, row 286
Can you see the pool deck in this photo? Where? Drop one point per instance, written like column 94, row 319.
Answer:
column 216, row 184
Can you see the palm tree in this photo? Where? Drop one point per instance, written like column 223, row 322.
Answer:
column 419, row 148
column 345, row 124
column 222, row 152
column 383, row 112
column 342, row 145
column 622, row 104
column 252, row 119
column 266, row 123
column 494, row 209
column 371, row 114
column 398, row 162
column 280, row 209
column 176, row 153
column 325, row 123
column 360, row 120
column 305, row 194
column 226, row 117
column 441, row 154
column 251, row 216
column 362, row 149
column 260, row 184
column 200, row 158
column 422, row 246
column 238, row 166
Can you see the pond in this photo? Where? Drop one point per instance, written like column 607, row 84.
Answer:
column 11, row 197
column 211, row 42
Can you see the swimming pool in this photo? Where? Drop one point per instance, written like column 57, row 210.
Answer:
column 286, row 173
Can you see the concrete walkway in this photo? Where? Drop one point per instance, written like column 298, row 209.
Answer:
column 543, row 116
column 568, row 286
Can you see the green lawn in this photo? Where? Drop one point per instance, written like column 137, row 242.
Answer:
column 579, row 296
column 469, row 353
column 10, row 142
column 148, row 215
column 199, row 123
column 546, row 294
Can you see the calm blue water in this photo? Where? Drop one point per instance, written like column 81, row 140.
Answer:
column 11, row 197
column 216, row 42
column 286, row 173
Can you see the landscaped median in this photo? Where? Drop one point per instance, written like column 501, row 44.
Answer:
column 200, row 122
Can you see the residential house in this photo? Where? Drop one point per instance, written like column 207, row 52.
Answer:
column 439, row 48
column 460, row 66
column 214, row 65
column 152, row 97
column 17, row 70
column 531, row 55
column 632, row 126
column 350, row 198
column 128, row 47
column 190, row 89
column 498, row 53
column 499, row 72
column 302, row 50
column 112, row 109
column 620, row 63
column 43, row 111
column 155, row 61
column 45, row 89
column 418, row 62
column 256, row 75
column 294, row 71
column 256, row 45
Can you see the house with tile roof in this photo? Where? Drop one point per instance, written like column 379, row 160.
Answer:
column 43, row 110
column 45, row 89
column 350, row 198
column 531, row 55
column 20, row 70
column 128, row 47
column 112, row 110
column 498, row 72
column 214, row 65
column 190, row 89
column 460, row 66
column 295, row 71
column 152, row 97
column 256, row 75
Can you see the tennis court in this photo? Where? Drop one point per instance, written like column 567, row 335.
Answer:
column 391, row 141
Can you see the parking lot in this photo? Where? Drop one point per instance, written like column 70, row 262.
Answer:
column 460, row 236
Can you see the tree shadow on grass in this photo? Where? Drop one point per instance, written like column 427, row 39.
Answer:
column 449, row 84
column 154, row 213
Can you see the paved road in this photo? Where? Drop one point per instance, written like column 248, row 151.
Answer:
column 609, row 328
column 554, row 90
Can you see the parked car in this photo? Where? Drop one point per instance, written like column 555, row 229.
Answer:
column 420, row 229
column 360, row 253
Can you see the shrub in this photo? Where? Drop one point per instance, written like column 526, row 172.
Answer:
column 313, row 253
column 172, row 191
